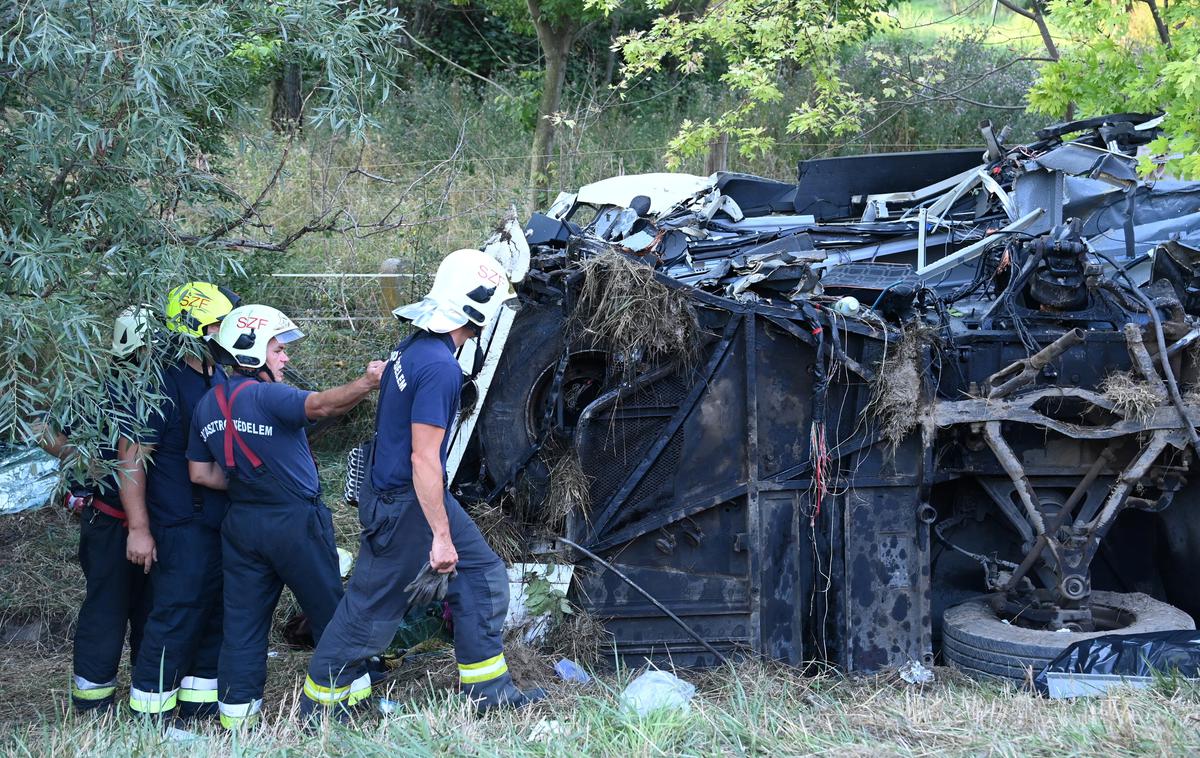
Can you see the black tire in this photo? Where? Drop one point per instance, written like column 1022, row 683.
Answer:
column 975, row 640
column 534, row 344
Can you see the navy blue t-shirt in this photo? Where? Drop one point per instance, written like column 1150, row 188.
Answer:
column 270, row 419
column 105, row 488
column 169, row 490
column 421, row 385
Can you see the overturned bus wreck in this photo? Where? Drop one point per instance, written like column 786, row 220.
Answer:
column 908, row 406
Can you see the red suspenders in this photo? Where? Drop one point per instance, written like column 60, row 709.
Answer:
column 231, row 434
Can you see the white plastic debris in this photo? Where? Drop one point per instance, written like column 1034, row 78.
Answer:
column 345, row 561
column 658, row 690
column 547, row 728
column 389, row 707
column 175, row 734
column 847, row 306
column 914, row 672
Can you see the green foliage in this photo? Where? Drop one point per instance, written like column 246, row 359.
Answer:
column 1114, row 60
column 541, row 597
column 757, row 42
column 116, row 121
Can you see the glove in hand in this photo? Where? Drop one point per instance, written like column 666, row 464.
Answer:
column 427, row 587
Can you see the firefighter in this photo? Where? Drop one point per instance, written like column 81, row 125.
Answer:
column 409, row 519
column 115, row 600
column 177, row 662
column 249, row 437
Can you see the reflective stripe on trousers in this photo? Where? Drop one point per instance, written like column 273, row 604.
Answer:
column 474, row 673
column 152, row 702
column 82, row 689
column 234, row 715
column 351, row 694
column 195, row 689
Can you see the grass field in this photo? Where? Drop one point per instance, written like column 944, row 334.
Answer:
column 754, row 708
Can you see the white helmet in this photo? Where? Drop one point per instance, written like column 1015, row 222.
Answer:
column 470, row 287
column 130, row 330
column 246, row 332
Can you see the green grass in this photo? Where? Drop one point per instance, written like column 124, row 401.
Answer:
column 755, row 709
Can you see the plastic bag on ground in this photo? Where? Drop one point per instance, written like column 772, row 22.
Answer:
column 1090, row 666
column 658, row 690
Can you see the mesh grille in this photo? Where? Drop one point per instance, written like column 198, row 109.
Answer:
column 618, row 440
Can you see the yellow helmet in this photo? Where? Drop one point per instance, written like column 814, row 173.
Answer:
column 193, row 307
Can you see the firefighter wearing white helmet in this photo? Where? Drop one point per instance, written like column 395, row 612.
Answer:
column 470, row 288
column 115, row 601
column 412, row 525
column 131, row 330
column 248, row 437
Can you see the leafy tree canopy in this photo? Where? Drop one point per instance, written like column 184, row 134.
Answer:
column 115, row 119
column 1111, row 64
column 756, row 41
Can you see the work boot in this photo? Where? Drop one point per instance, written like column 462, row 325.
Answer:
column 503, row 694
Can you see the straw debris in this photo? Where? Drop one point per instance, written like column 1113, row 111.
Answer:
column 897, row 396
column 1131, row 397
column 634, row 315
column 570, row 489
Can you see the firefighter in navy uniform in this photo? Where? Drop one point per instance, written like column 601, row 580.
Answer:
column 116, row 599
column 177, row 662
column 249, row 437
column 409, row 519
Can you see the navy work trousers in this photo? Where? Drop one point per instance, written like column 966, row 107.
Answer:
column 116, row 602
column 177, row 661
column 265, row 547
column 393, row 547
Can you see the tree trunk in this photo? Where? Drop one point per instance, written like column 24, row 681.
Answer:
column 556, row 40
column 288, row 101
column 610, row 68
column 718, row 155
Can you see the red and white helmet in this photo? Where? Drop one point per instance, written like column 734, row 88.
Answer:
column 470, row 287
column 246, row 332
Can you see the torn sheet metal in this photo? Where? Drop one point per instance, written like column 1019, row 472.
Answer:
column 939, row 226
column 867, row 422
column 28, row 478
column 666, row 191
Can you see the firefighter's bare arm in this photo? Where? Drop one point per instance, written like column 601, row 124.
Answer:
column 336, row 401
column 429, row 484
column 53, row 442
column 131, row 476
column 207, row 474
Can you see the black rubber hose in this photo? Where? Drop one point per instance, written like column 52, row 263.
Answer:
column 682, row 625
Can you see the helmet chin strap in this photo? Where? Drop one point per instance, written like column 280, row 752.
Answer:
column 256, row 373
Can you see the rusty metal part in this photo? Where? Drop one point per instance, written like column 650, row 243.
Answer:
column 1136, row 469
column 1021, row 409
column 1012, row 467
column 1142, row 362
column 1016, row 375
column 1061, row 517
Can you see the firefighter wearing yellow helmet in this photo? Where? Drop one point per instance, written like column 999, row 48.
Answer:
column 174, row 526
